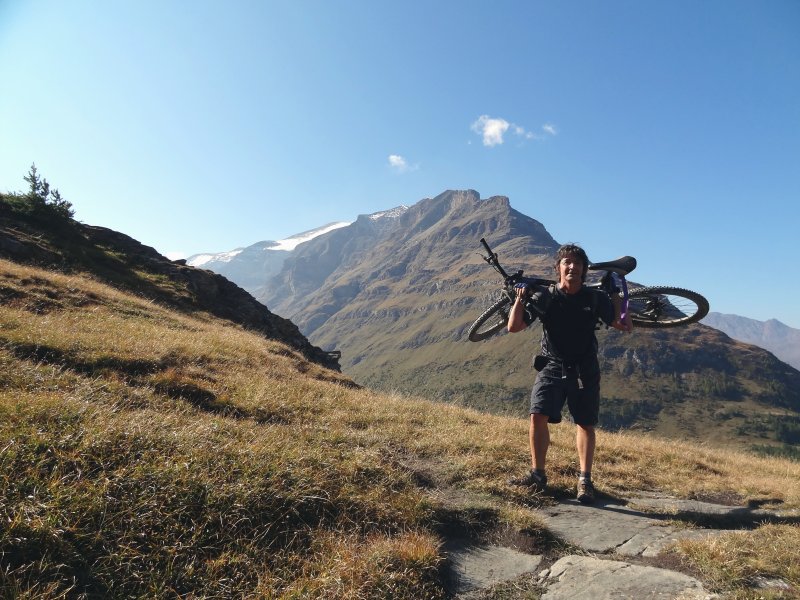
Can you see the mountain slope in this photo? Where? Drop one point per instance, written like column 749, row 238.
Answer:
column 783, row 341
column 429, row 248
column 150, row 452
column 31, row 236
column 397, row 301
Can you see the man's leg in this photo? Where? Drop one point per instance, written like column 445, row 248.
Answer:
column 545, row 400
column 539, row 441
column 585, row 440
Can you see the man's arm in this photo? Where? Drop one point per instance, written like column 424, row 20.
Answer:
column 627, row 324
column 516, row 318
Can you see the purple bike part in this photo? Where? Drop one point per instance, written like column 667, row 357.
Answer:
column 624, row 309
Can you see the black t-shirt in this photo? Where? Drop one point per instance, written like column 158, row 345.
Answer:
column 569, row 323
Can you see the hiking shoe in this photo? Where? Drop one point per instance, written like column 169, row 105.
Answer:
column 585, row 492
column 531, row 479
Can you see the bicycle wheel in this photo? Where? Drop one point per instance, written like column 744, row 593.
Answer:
column 491, row 321
column 665, row 306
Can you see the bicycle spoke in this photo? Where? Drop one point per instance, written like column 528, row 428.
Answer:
column 666, row 307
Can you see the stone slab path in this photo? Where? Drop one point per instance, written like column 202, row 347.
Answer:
column 610, row 530
column 612, row 527
column 476, row 568
column 589, row 578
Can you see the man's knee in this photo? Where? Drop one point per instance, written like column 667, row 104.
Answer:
column 539, row 420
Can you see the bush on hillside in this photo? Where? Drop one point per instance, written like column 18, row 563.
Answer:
column 40, row 201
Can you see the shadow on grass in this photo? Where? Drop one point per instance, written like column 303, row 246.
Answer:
column 49, row 355
column 36, row 556
column 133, row 370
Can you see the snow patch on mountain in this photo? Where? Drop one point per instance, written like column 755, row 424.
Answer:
column 392, row 213
column 291, row 243
column 198, row 260
column 285, row 245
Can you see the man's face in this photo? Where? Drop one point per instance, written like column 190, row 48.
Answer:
column 570, row 270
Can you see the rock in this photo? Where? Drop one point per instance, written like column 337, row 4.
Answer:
column 576, row 577
column 617, row 529
column 475, row 568
column 611, row 527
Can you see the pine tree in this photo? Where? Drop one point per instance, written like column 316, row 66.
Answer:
column 60, row 205
column 39, row 188
column 41, row 194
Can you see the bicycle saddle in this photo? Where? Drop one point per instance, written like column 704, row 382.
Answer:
column 621, row 266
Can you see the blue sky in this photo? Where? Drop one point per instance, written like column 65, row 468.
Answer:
column 665, row 130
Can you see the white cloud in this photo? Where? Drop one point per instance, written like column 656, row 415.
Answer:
column 550, row 129
column 400, row 164
column 397, row 162
column 491, row 129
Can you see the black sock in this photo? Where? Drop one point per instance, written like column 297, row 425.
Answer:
column 585, row 476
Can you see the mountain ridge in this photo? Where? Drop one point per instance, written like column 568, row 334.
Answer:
column 773, row 335
column 283, row 245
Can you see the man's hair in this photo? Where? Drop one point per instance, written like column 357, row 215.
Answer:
column 573, row 250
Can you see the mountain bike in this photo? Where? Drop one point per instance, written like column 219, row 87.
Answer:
column 651, row 307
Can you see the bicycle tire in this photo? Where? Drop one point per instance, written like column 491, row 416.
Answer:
column 492, row 320
column 665, row 306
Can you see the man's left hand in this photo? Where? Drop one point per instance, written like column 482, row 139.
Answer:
column 625, row 325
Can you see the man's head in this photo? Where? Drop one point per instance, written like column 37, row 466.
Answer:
column 571, row 263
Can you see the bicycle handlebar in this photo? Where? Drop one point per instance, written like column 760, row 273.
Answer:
column 492, row 259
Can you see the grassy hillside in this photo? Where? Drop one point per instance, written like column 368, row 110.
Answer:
column 146, row 452
column 32, row 233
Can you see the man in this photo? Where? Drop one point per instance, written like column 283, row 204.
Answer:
column 568, row 366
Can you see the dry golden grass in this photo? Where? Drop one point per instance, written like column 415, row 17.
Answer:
column 735, row 561
column 146, row 453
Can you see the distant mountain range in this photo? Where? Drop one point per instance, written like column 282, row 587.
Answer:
column 783, row 341
column 251, row 266
column 395, row 292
